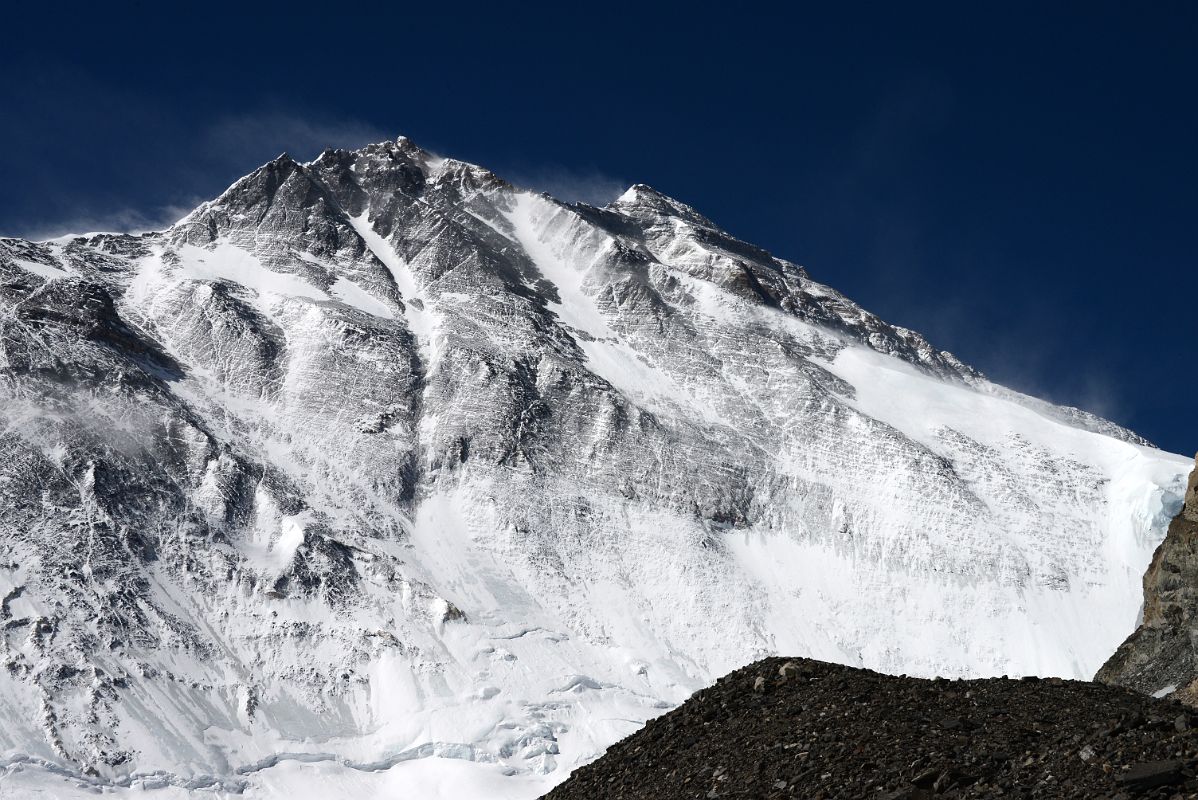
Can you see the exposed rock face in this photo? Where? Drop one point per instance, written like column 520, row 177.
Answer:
column 379, row 457
column 1162, row 654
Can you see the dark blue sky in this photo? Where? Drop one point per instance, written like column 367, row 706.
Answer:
column 1019, row 181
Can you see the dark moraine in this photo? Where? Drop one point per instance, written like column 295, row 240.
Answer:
column 801, row 728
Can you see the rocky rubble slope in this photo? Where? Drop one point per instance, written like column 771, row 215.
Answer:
column 1161, row 656
column 798, row 728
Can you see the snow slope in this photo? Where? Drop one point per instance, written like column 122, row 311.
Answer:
column 379, row 475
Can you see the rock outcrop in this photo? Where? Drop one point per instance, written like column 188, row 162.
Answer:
column 1161, row 656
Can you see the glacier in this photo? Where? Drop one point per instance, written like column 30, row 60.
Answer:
column 380, row 475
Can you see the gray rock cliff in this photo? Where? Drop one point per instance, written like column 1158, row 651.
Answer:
column 1161, row 656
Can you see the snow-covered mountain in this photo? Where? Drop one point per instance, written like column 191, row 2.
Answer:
column 379, row 459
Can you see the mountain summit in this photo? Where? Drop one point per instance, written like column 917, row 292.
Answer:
column 379, row 458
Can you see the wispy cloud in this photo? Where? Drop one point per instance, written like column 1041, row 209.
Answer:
column 265, row 134
column 197, row 167
column 177, row 172
column 121, row 220
column 574, row 186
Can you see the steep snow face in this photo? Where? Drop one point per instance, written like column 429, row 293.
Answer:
column 378, row 473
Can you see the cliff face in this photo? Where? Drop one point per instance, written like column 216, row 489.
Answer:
column 1162, row 654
